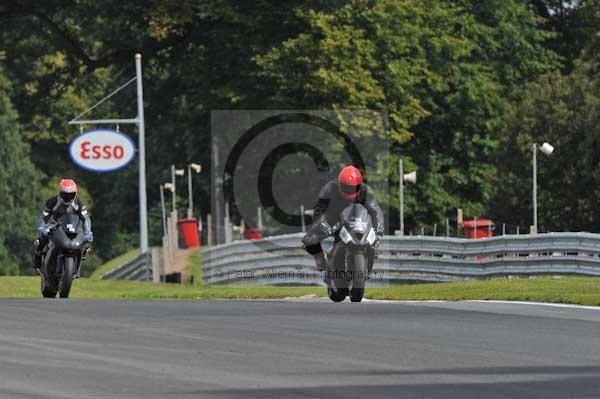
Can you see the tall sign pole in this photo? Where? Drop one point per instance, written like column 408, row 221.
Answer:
column 142, row 153
column 401, row 191
column 139, row 121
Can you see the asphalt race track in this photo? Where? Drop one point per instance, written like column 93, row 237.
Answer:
column 296, row 349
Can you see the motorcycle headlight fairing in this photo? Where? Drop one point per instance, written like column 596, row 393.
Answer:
column 358, row 226
column 345, row 236
column 371, row 237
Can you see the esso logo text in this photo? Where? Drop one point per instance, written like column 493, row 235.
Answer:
column 102, row 150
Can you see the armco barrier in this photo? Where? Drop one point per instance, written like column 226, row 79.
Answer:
column 139, row 268
column 280, row 260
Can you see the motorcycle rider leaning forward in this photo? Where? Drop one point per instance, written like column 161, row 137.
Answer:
column 334, row 197
column 65, row 202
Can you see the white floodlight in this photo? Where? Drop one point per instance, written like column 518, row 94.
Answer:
column 197, row 168
column 547, row 149
column 411, row 177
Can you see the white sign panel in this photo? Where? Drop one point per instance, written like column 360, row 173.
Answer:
column 102, row 150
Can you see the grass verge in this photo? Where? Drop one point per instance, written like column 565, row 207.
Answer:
column 577, row 290
column 116, row 262
column 29, row 287
column 193, row 270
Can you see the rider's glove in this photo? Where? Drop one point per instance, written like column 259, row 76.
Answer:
column 377, row 242
column 378, row 236
column 325, row 229
column 43, row 230
column 89, row 236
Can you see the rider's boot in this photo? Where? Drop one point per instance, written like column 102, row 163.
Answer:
column 320, row 261
column 37, row 257
column 37, row 262
column 85, row 254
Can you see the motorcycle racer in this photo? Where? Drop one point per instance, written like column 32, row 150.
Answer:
column 333, row 198
column 65, row 202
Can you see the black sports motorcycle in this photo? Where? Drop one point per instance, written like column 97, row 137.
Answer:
column 352, row 255
column 63, row 255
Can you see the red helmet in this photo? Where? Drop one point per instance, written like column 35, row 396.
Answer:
column 67, row 189
column 349, row 181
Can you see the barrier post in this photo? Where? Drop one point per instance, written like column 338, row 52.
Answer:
column 155, row 266
column 166, row 260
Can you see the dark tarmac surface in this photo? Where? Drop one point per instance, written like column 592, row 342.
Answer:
column 296, row 349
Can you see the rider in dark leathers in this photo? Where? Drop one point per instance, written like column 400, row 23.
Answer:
column 65, row 202
column 333, row 198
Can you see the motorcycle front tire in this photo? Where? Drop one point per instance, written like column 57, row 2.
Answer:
column 359, row 277
column 67, row 277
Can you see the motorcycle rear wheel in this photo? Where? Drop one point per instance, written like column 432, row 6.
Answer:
column 67, row 277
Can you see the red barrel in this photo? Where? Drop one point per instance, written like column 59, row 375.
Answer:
column 252, row 234
column 482, row 228
column 189, row 230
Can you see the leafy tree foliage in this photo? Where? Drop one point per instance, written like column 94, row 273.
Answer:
column 563, row 110
column 573, row 24
column 469, row 85
column 18, row 188
column 444, row 71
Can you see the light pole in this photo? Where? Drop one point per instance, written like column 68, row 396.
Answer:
column 197, row 168
column 546, row 149
column 409, row 178
column 162, row 205
column 175, row 172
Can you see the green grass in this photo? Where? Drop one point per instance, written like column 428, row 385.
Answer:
column 116, row 262
column 578, row 290
column 29, row 287
column 194, row 268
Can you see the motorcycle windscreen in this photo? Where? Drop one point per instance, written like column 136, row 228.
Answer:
column 71, row 223
column 355, row 213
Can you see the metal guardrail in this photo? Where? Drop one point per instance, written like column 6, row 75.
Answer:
column 280, row 260
column 139, row 268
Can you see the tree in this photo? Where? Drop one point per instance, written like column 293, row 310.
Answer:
column 18, row 189
column 563, row 110
column 64, row 56
column 573, row 25
column 444, row 70
column 448, row 72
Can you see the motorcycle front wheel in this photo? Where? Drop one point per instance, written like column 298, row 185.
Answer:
column 67, row 277
column 359, row 277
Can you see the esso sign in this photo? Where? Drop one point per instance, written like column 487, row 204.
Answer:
column 102, row 150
